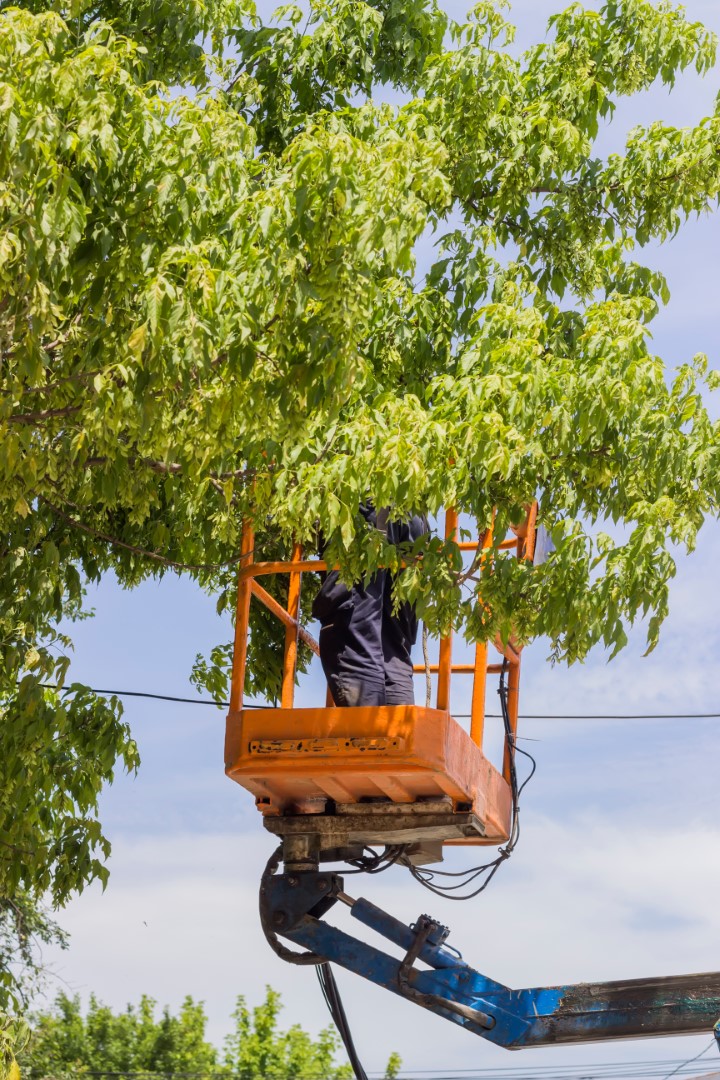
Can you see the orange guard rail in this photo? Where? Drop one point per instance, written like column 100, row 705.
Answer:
column 521, row 542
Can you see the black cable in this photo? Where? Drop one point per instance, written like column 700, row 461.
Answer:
column 377, row 863
column 155, row 697
column 329, row 987
column 533, row 766
column 324, row 972
column 457, row 716
column 683, row 1064
column 271, row 937
column 603, row 716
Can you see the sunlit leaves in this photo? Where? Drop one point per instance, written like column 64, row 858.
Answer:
column 210, row 309
column 25, row 927
column 69, row 1042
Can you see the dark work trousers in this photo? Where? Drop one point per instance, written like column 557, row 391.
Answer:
column 365, row 647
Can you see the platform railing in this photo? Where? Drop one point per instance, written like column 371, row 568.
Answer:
column 522, row 542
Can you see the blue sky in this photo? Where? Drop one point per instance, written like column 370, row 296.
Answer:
column 617, row 873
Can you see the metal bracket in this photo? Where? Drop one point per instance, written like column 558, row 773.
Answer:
column 427, row 931
column 423, row 826
column 290, row 897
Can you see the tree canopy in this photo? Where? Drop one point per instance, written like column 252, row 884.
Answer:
column 24, row 928
column 211, row 310
column 69, row 1042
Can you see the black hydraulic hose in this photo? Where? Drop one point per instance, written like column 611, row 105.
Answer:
column 331, row 994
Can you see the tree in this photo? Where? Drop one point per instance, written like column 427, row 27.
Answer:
column 66, row 1043
column 25, row 927
column 257, row 1049
column 209, row 312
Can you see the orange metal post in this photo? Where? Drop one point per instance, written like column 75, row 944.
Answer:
column 291, row 634
column 525, row 533
column 531, row 537
column 445, row 658
column 513, row 703
column 477, row 709
column 242, row 615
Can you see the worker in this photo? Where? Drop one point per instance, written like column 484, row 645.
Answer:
column 365, row 647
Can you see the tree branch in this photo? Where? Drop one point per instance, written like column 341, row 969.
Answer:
column 133, row 548
column 79, row 376
column 47, row 414
column 173, row 468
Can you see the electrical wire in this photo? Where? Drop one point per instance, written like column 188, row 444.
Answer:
column 642, row 1070
column 154, row 697
column 605, row 716
column 616, row 1070
column 458, row 716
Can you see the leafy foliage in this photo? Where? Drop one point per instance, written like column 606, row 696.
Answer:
column 14, row 1036
column 209, row 312
column 65, row 1043
column 24, row 928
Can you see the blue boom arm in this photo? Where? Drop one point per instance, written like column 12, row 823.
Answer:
column 293, row 905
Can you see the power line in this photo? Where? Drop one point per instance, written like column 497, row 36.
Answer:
column 155, row 697
column 641, row 1067
column 605, row 716
column 617, row 1070
column 458, row 716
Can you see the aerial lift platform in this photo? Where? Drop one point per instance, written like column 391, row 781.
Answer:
column 331, row 782
column 336, row 779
